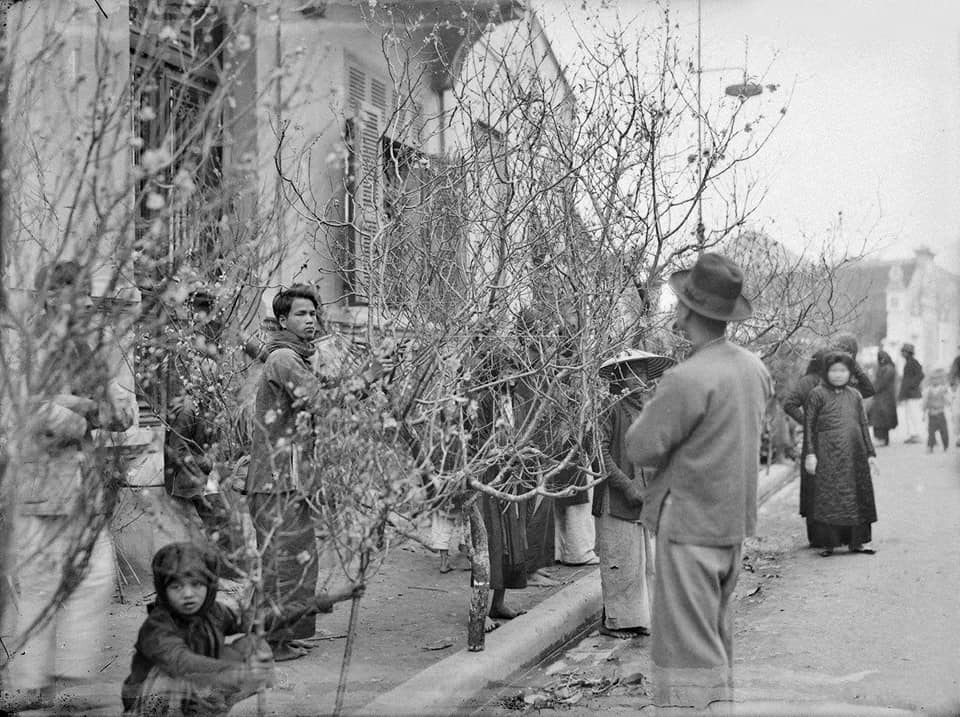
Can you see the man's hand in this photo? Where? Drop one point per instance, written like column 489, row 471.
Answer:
column 874, row 468
column 634, row 494
column 326, row 600
column 810, row 464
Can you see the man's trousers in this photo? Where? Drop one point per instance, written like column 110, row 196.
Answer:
column 693, row 620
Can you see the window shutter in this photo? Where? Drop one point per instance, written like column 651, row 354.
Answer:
column 368, row 194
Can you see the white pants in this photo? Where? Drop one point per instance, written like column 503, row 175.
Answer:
column 574, row 534
column 447, row 531
column 911, row 410
column 70, row 644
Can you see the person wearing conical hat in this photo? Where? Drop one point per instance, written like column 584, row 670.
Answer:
column 624, row 545
column 702, row 431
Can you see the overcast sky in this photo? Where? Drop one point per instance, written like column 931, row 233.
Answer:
column 874, row 110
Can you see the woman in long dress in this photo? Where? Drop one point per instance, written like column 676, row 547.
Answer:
column 840, row 456
column 883, row 410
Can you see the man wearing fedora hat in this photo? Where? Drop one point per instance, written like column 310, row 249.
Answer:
column 701, row 432
column 911, row 394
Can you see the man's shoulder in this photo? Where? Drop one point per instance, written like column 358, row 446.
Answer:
column 280, row 360
column 708, row 361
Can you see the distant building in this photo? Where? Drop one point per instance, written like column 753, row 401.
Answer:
column 904, row 301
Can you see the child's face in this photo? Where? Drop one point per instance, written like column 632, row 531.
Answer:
column 838, row 375
column 186, row 595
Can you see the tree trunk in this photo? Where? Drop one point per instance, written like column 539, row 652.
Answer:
column 480, row 579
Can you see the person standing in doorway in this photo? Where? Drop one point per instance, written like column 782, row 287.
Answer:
column 911, row 395
column 702, row 432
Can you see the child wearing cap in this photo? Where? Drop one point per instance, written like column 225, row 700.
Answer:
column 935, row 400
column 181, row 663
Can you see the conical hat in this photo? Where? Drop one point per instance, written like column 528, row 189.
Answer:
column 654, row 364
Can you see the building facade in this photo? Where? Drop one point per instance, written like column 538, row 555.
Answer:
column 138, row 135
column 906, row 301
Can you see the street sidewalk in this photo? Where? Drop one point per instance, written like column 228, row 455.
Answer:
column 410, row 655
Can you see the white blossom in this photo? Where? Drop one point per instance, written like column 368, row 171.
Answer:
column 153, row 160
column 155, row 201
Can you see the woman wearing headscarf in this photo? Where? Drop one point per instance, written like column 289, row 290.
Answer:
column 839, row 454
column 794, row 404
column 883, row 410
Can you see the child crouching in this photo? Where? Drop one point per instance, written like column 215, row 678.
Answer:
column 181, row 663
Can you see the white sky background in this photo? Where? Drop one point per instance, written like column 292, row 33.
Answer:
column 872, row 128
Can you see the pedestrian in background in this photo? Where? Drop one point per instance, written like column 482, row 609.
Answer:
column 955, row 396
column 935, row 400
column 839, row 454
column 794, row 404
column 624, row 544
column 702, row 431
column 883, row 410
column 911, row 396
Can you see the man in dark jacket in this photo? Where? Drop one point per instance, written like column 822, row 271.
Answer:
column 277, row 498
column 911, row 395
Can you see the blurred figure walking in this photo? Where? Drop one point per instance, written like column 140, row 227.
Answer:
column 911, row 396
column 883, row 410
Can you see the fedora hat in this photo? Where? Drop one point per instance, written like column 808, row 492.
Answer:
column 713, row 288
column 654, row 364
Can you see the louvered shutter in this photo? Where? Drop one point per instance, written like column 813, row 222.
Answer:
column 366, row 103
column 368, row 195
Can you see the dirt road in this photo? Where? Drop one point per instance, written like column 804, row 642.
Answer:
column 851, row 633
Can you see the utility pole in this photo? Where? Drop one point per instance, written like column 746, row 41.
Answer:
column 4, row 82
column 701, row 238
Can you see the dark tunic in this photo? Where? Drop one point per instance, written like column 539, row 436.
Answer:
column 793, row 406
column 912, row 378
column 883, row 410
column 835, row 430
column 282, row 519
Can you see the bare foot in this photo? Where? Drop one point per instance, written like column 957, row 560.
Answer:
column 284, row 652
column 503, row 612
column 539, row 580
column 445, row 568
column 490, row 625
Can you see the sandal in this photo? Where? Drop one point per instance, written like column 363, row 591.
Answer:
column 620, row 634
column 865, row 551
column 826, row 553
